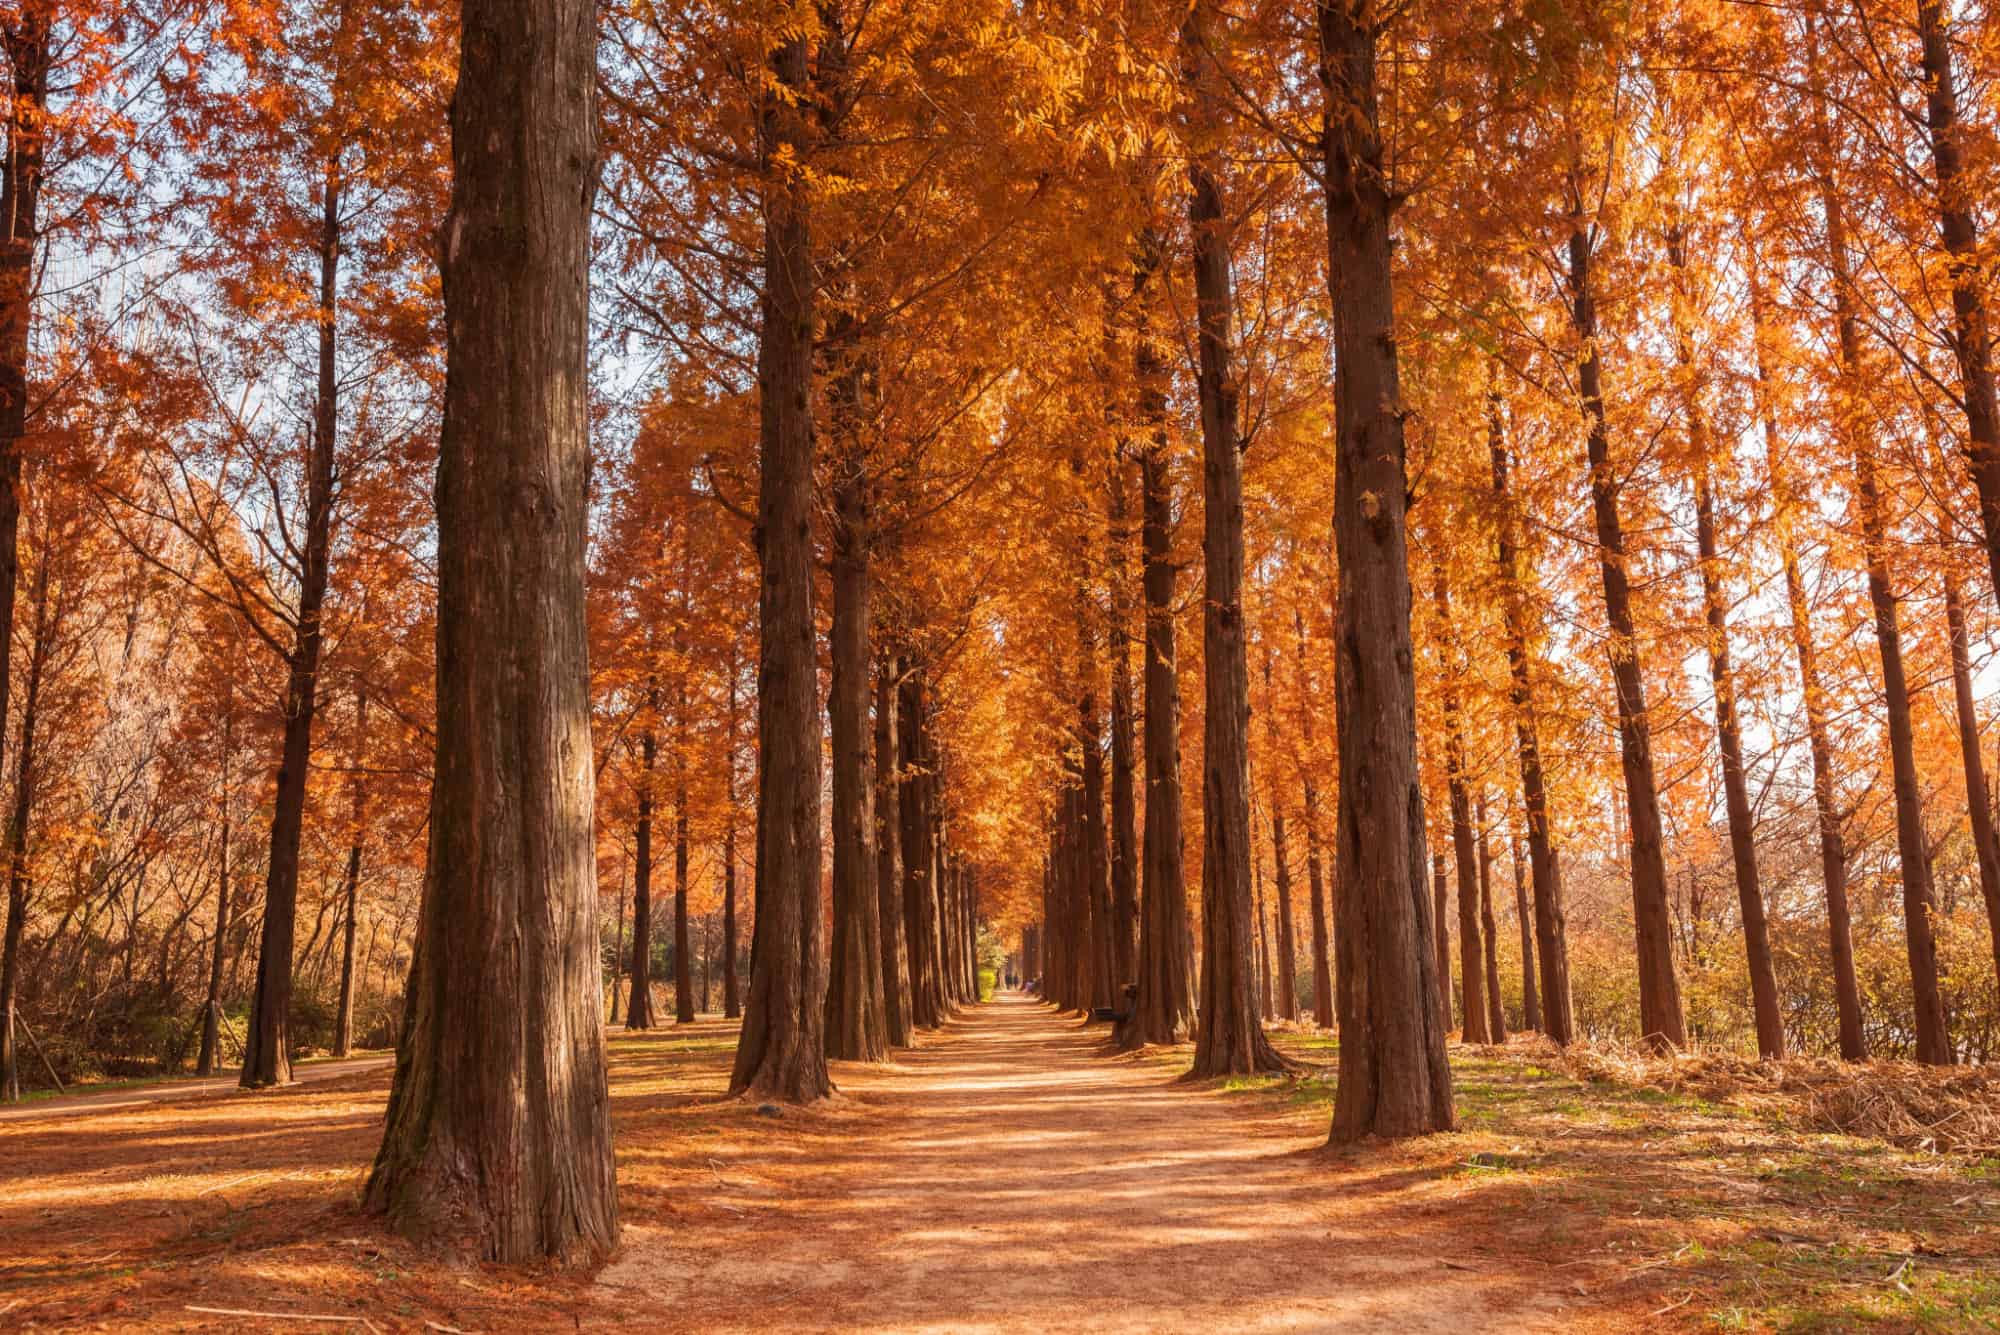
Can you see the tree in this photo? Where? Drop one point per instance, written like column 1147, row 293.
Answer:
column 498, row 1133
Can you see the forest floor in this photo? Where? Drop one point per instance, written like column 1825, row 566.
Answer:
column 1010, row 1175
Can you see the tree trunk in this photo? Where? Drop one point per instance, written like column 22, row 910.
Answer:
column 1096, row 887
column 1979, row 804
column 211, row 1011
column 1394, row 1080
column 1551, row 928
column 1471, row 956
column 895, row 965
column 1323, row 1011
column 732, row 1006
column 1531, row 1004
column 1231, row 1038
column 267, row 1057
column 343, row 1024
column 1124, row 806
column 17, row 840
column 1661, row 1024
column 782, row 1052
column 498, row 1135
column 1264, row 971
column 1919, row 897
column 1972, row 335
column 856, row 1029
column 919, row 919
column 684, row 1011
column 1728, row 732
column 639, row 999
column 1287, row 957
column 1441, row 915
column 1496, row 1012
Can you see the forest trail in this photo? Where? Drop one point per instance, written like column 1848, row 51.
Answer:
column 1013, row 1176
column 162, row 1091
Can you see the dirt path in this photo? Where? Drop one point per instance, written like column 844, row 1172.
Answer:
column 135, row 1096
column 1009, row 1175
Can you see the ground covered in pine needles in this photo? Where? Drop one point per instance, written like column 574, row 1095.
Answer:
column 1010, row 1174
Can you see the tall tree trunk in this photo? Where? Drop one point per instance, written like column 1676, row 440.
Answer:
column 1441, row 915
column 17, row 839
column 1394, row 1080
column 1096, row 853
column 343, row 1024
column 1661, row 1024
column 1531, row 1003
column 732, row 1006
column 211, row 1011
column 895, row 963
column 1471, row 955
column 1264, row 990
column 1323, row 1011
column 1287, row 956
column 1231, row 1038
column 856, row 1028
column 684, row 1011
column 919, row 854
column 1919, row 896
column 1124, row 804
column 1496, row 1012
column 639, row 992
column 1728, row 731
column 1832, row 845
column 782, row 1052
column 267, row 1057
column 1551, row 926
column 1972, row 334
column 1166, row 942
column 1978, row 801
column 498, row 1135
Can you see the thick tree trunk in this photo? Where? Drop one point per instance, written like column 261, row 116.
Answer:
column 1972, row 334
column 267, row 1057
column 1551, row 927
column 498, row 1135
column 639, row 990
column 856, row 1029
column 1394, row 1080
column 1231, row 1038
column 895, row 963
column 1323, row 1010
column 782, row 1052
column 1471, row 955
column 1661, row 1024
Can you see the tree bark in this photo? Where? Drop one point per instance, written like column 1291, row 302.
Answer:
column 782, row 1052
column 919, row 854
column 267, row 1057
column 1166, row 942
column 856, row 1028
column 1496, row 1011
column 1323, row 1010
column 895, row 965
column 1551, row 927
column 343, row 1024
column 211, row 1011
column 498, row 1133
column 732, row 1006
column 1531, row 1004
column 684, row 1011
column 1471, row 956
column 1972, row 335
column 639, row 991
column 1287, row 956
column 1661, row 1024
column 1394, row 1080
column 17, row 839
column 1124, row 805
column 1231, row 1038
column 1978, row 801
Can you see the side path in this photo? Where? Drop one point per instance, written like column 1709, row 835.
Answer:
column 1009, row 1176
column 136, row 1096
